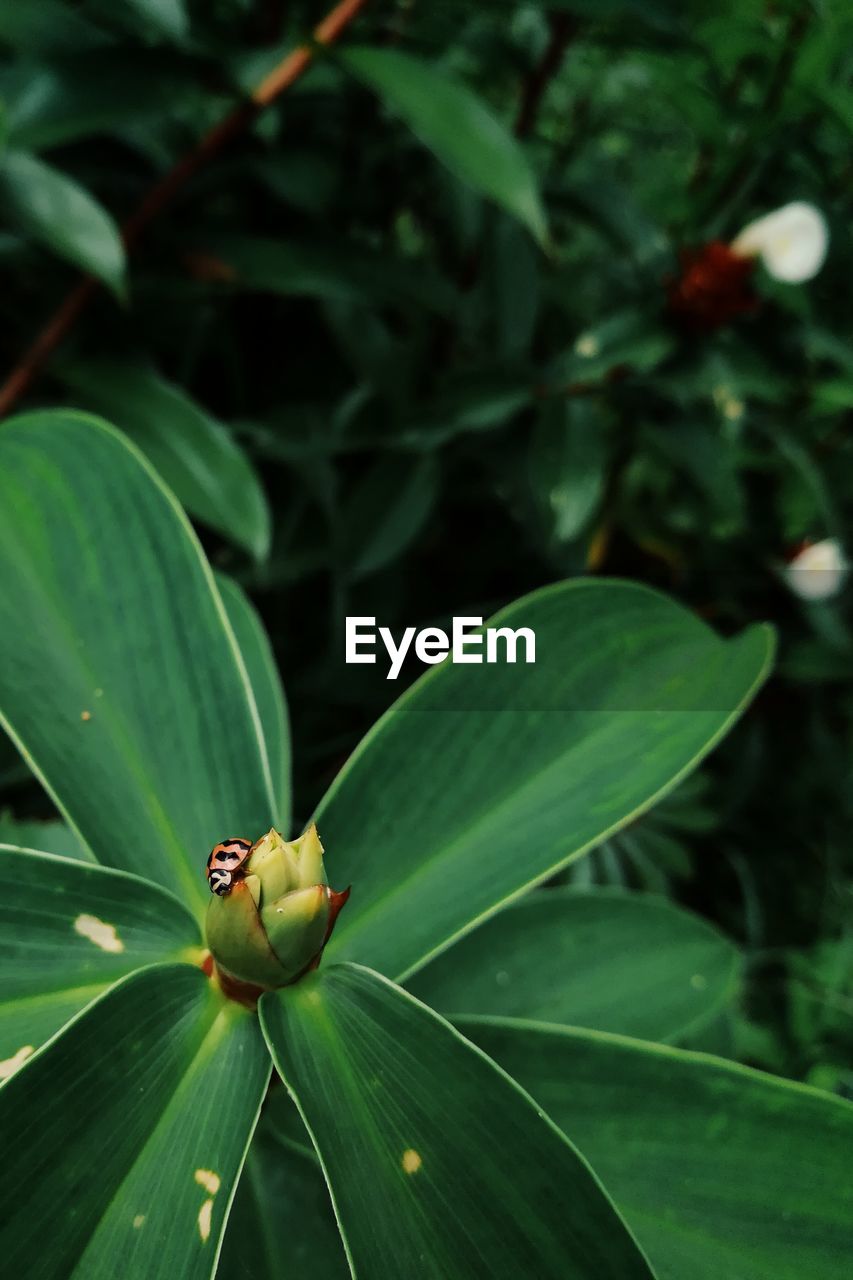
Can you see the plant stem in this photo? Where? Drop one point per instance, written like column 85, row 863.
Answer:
column 563, row 30
column 160, row 195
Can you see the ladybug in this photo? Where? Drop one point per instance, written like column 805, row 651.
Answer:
column 224, row 863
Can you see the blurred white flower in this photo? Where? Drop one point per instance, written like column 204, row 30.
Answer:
column 587, row 346
column 818, row 571
column 791, row 242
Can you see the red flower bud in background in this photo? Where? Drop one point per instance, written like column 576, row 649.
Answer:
column 713, row 289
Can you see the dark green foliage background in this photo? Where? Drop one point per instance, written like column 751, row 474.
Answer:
column 443, row 416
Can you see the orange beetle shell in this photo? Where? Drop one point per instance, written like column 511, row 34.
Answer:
column 225, row 861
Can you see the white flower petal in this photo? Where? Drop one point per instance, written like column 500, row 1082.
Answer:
column 792, row 242
column 818, row 572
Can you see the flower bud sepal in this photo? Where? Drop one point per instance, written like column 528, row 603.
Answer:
column 271, row 927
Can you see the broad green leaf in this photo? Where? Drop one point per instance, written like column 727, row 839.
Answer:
column 48, row 27
column 567, row 467
column 483, row 780
column 124, row 1136
column 340, row 272
column 51, row 836
column 614, row 961
column 282, row 1224
column 457, row 127
column 266, row 685
column 102, row 92
column 120, row 678
column 68, row 930
column 439, row 1166
column 387, row 510
column 195, row 454
column 55, row 210
column 168, row 16
column 632, row 339
column 719, row 1170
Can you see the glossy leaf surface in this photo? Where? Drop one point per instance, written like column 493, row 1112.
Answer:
column 119, row 674
column 282, row 1223
column 720, row 1170
column 267, row 687
column 56, row 211
column 195, row 454
column 68, row 930
column 614, row 961
column 457, row 127
column 131, row 1118
column 50, row 836
column 483, row 780
column 438, row 1165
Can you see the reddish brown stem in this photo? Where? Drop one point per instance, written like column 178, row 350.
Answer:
column 563, row 30
column 271, row 87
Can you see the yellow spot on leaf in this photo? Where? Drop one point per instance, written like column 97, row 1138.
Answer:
column 699, row 982
column 411, row 1161
column 103, row 935
column 85, row 715
column 204, row 1220
column 209, row 1180
column 10, row 1066
column 138, row 1221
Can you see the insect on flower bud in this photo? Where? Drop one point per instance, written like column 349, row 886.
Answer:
column 271, row 916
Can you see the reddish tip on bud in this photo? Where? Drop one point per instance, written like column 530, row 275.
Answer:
column 337, row 902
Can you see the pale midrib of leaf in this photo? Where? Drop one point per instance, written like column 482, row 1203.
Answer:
column 231, row 641
column 130, row 878
column 60, row 994
column 214, row 1031
column 416, row 690
column 470, row 1045
column 179, row 1102
column 239, row 1171
column 164, row 1114
column 124, row 736
column 46, row 1044
column 510, row 801
column 221, row 611
column 332, row 1040
column 284, row 800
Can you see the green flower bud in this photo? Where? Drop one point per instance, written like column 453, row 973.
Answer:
column 272, row 925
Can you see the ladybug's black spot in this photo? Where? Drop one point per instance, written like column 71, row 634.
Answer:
column 219, row 881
